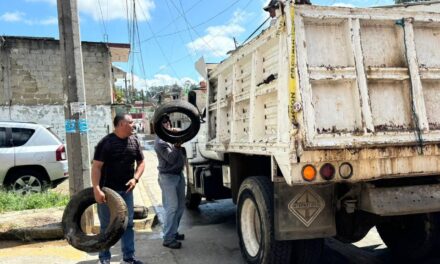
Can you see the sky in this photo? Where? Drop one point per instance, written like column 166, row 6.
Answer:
column 168, row 37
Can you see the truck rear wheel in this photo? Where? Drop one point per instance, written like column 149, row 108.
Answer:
column 411, row 237
column 255, row 227
column 255, row 224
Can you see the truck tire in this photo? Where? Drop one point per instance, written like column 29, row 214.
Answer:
column 178, row 106
column 411, row 237
column 192, row 200
column 255, row 225
column 71, row 221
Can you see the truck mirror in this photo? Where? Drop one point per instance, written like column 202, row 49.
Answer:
column 192, row 98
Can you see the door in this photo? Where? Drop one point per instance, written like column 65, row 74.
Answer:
column 6, row 152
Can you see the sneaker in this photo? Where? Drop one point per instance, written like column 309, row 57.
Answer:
column 173, row 244
column 180, row 236
column 131, row 261
column 104, row 261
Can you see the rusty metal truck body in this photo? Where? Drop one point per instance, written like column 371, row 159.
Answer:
column 333, row 113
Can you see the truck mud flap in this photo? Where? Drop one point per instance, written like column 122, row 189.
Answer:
column 389, row 201
column 304, row 212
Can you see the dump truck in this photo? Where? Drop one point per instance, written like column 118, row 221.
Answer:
column 326, row 124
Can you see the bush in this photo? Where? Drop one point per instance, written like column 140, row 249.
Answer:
column 14, row 202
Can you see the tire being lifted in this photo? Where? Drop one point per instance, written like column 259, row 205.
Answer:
column 177, row 106
column 72, row 221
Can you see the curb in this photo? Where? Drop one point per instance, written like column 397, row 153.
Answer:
column 47, row 232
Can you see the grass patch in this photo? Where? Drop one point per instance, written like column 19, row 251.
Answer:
column 14, row 202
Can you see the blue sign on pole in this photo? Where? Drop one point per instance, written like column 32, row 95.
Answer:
column 83, row 126
column 70, row 126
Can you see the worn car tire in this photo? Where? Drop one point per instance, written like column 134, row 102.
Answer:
column 71, row 221
column 411, row 237
column 177, row 106
column 140, row 212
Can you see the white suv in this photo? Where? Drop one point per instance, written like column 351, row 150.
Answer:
column 32, row 158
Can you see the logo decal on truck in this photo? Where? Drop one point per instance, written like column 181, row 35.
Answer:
column 306, row 206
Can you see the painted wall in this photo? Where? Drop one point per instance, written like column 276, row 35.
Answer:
column 99, row 116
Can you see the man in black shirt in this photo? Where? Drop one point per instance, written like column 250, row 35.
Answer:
column 113, row 167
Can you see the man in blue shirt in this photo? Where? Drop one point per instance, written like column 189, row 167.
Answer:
column 172, row 184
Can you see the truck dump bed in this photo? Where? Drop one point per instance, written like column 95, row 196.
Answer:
column 371, row 77
column 334, row 84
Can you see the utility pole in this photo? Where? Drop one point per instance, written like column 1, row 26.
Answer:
column 75, row 102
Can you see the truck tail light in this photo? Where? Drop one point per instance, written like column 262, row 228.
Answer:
column 60, row 153
column 345, row 170
column 327, row 171
column 308, row 172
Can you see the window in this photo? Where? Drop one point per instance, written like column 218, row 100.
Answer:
column 21, row 135
column 3, row 137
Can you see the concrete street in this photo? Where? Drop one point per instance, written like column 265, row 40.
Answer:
column 210, row 238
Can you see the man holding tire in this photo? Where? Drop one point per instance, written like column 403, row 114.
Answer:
column 114, row 167
column 172, row 184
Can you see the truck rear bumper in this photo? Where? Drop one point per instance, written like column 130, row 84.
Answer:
column 388, row 201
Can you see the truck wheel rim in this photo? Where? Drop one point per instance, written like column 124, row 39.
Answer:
column 250, row 227
column 26, row 185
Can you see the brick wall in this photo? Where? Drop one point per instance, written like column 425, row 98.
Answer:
column 31, row 72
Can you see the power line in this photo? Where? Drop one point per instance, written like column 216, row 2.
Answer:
column 180, row 37
column 140, row 50
column 174, row 19
column 195, row 26
column 103, row 24
column 158, row 44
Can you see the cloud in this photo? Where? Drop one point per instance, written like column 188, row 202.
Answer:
column 343, row 5
column 20, row 17
column 111, row 9
column 49, row 21
column 157, row 80
column 219, row 39
column 115, row 9
column 12, row 16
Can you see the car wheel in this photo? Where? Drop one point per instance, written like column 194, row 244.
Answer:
column 27, row 182
column 177, row 106
column 71, row 221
